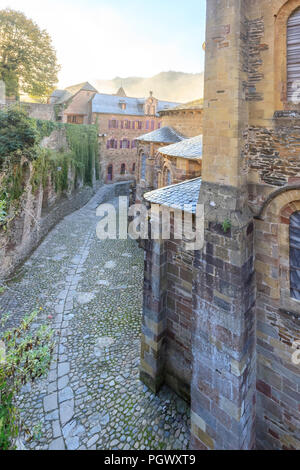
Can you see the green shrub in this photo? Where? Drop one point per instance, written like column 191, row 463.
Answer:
column 17, row 132
column 20, row 136
column 26, row 357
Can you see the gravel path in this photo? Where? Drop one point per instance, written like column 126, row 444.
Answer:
column 92, row 397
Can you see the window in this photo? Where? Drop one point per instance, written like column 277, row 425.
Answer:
column 133, row 168
column 169, row 178
column 152, row 125
column 113, row 124
column 140, row 125
column 293, row 56
column 295, row 255
column 143, row 167
column 123, row 168
column 124, row 144
column 75, row 119
column 112, row 144
column 147, row 124
column 109, row 173
column 159, row 125
column 133, row 144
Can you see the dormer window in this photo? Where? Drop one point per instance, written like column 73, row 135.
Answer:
column 122, row 105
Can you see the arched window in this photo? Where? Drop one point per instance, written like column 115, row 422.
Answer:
column 143, row 167
column 295, row 255
column 293, row 57
column 109, row 173
column 123, row 168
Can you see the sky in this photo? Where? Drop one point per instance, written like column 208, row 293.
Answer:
column 104, row 39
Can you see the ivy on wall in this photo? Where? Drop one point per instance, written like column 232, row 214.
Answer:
column 21, row 136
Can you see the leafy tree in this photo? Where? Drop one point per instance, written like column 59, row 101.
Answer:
column 28, row 61
column 17, row 132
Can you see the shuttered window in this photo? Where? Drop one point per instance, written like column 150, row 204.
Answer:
column 293, row 56
column 295, row 255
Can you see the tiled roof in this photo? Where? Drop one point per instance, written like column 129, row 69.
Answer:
column 182, row 196
column 111, row 104
column 165, row 135
column 187, row 148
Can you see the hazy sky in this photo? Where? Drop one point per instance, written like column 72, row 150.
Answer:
column 102, row 39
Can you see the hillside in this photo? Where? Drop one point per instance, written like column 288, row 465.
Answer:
column 169, row 86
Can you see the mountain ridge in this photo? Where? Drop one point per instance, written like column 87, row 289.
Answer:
column 175, row 86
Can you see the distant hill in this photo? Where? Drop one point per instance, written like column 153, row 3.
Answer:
column 169, row 86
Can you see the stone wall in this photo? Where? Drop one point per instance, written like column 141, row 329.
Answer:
column 186, row 122
column 42, row 211
column 34, row 222
column 272, row 156
column 168, row 320
column 278, row 328
column 36, row 110
column 39, row 209
column 79, row 105
column 180, row 318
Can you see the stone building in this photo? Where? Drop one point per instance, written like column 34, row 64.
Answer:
column 186, row 119
column 121, row 120
column 156, row 168
column 74, row 104
column 221, row 325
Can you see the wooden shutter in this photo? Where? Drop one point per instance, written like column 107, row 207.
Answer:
column 293, row 54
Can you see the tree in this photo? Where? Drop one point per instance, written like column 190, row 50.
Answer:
column 28, row 61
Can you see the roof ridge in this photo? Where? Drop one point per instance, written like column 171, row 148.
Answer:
column 173, row 185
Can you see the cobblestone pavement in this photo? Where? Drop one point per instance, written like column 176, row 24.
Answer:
column 92, row 397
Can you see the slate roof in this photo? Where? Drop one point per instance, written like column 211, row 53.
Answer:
column 165, row 135
column 110, row 104
column 86, row 86
column 187, row 148
column 60, row 96
column 164, row 105
column 182, row 196
column 195, row 104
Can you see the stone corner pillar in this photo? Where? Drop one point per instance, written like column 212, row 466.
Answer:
column 154, row 308
column 224, row 358
column 224, row 362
